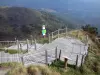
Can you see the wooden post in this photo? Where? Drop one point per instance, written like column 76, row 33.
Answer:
column 77, row 34
column 15, row 41
column 35, row 44
column 59, row 54
column 52, row 36
column 65, row 63
column 6, row 49
column 76, row 61
column 46, row 57
column 18, row 44
column 1, row 56
column 22, row 60
column 27, row 44
column 8, row 44
column 66, row 31
column 80, row 49
column 87, row 39
column 58, row 33
column 82, row 60
column 73, row 48
column 56, row 53
column 31, row 40
column 49, row 37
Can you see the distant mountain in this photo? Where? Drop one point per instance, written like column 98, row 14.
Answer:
column 80, row 11
column 22, row 22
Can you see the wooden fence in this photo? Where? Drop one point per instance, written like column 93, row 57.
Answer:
column 44, row 57
column 64, row 33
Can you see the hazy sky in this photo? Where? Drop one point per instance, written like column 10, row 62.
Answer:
column 24, row 2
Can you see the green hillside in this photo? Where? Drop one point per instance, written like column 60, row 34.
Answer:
column 22, row 22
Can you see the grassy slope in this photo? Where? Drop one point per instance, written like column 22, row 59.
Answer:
column 90, row 67
column 92, row 63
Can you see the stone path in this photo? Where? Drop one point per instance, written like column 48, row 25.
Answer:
column 70, row 48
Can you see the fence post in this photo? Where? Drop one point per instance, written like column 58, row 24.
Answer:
column 59, row 54
column 87, row 38
column 18, row 44
column 1, row 57
column 49, row 37
column 77, row 34
column 82, row 60
column 8, row 43
column 56, row 53
column 27, row 44
column 35, row 44
column 66, row 31
column 80, row 49
column 65, row 63
column 15, row 41
column 52, row 36
column 22, row 60
column 46, row 57
column 31, row 40
column 58, row 33
column 76, row 61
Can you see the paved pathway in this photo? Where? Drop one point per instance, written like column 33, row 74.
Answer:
column 70, row 48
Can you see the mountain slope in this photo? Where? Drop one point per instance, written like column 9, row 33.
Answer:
column 23, row 22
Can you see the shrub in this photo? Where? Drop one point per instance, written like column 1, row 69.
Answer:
column 32, row 70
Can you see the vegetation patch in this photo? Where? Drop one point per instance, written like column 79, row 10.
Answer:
column 32, row 70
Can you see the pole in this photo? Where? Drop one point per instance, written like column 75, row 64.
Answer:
column 58, row 33
column 46, row 57
column 31, row 39
column 27, row 44
column 49, row 37
column 76, row 61
column 82, row 60
column 35, row 44
column 18, row 44
column 52, row 36
column 66, row 31
column 59, row 54
column 56, row 53
column 65, row 64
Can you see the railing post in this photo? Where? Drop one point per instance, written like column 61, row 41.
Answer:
column 66, row 31
column 52, row 36
column 22, row 60
column 27, row 44
column 82, row 60
column 77, row 34
column 56, row 53
column 58, row 33
column 49, row 37
column 87, row 39
column 76, row 61
column 35, row 44
column 80, row 49
column 31, row 40
column 59, row 54
column 15, row 41
column 65, row 63
column 46, row 57
column 18, row 44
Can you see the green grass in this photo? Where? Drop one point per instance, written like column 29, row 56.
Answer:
column 32, row 70
column 13, row 51
column 10, row 65
column 43, row 40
